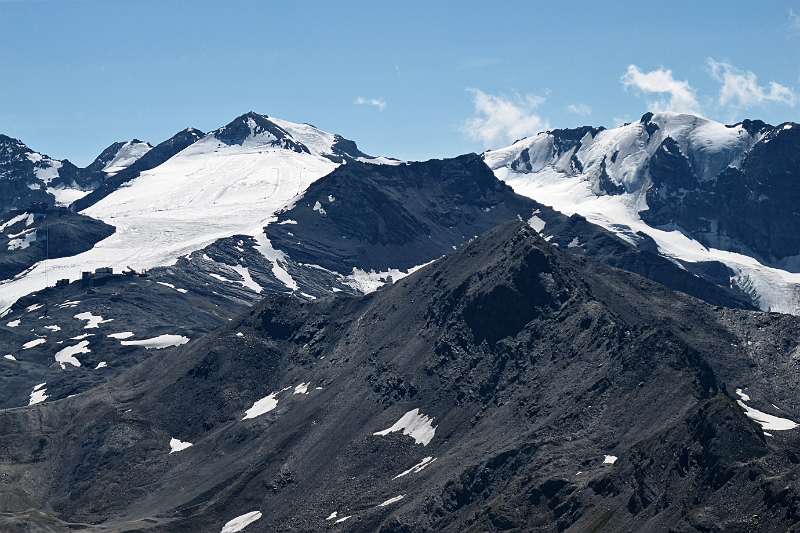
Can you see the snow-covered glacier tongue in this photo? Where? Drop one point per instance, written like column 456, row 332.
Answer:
column 672, row 179
column 231, row 181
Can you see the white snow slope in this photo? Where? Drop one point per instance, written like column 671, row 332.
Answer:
column 208, row 191
column 127, row 155
column 551, row 180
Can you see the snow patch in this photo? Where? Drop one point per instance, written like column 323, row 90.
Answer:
column 264, row 405
column 38, row 395
column 414, row 424
column 176, row 445
column 241, row 522
column 22, row 240
column 390, row 501
column 121, row 335
column 171, row 286
column 35, row 342
column 248, row 282
column 67, row 355
column 92, row 321
column 419, row 467
column 158, row 343
column 367, row 282
column 765, row 420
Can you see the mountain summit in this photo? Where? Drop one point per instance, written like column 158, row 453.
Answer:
column 705, row 193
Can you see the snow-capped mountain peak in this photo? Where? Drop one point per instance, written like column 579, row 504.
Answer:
column 121, row 155
column 231, row 181
column 253, row 130
column 705, row 192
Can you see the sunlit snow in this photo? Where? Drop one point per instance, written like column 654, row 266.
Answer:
column 765, row 420
column 35, row 342
column 67, row 355
column 177, row 445
column 157, row 343
column 187, row 203
column 38, row 395
column 92, row 321
column 392, row 500
column 415, row 425
column 241, row 522
column 121, row 335
column 419, row 467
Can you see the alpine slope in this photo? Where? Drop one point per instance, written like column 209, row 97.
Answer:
column 718, row 200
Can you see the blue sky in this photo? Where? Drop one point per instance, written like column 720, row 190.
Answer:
column 413, row 80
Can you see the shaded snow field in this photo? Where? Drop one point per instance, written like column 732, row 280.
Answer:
column 765, row 420
column 414, row 424
column 241, row 522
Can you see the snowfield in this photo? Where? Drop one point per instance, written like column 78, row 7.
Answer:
column 187, row 203
column 551, row 182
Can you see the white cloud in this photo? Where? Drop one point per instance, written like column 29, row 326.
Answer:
column 579, row 109
column 740, row 88
column 678, row 95
column 378, row 103
column 500, row 118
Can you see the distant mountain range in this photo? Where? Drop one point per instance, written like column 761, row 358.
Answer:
column 263, row 327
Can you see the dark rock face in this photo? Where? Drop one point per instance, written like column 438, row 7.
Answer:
column 19, row 186
column 384, row 216
column 249, row 124
column 521, row 413
column 54, row 232
column 750, row 209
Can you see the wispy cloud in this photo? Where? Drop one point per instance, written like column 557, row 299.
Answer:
column 501, row 118
column 580, row 109
column 741, row 89
column 794, row 20
column 378, row 103
column 676, row 95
